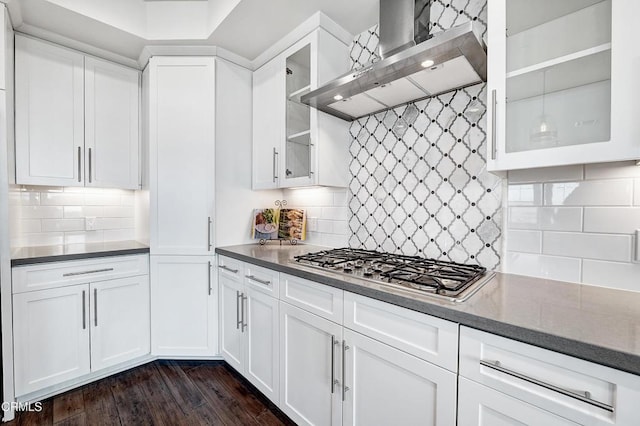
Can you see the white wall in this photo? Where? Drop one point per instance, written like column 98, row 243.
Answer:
column 575, row 223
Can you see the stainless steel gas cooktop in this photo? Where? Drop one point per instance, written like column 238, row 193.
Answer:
column 442, row 279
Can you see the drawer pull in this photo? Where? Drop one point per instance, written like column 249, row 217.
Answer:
column 95, row 271
column 584, row 396
column 226, row 268
column 258, row 280
column 238, row 320
column 84, row 311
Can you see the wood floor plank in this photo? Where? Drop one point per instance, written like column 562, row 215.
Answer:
column 36, row 418
column 131, row 402
column 99, row 405
column 238, row 391
column 185, row 392
column 164, row 408
column 67, row 405
column 219, row 398
column 77, row 420
column 267, row 418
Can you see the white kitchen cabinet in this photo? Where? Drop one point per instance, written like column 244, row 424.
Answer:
column 51, row 337
column 49, row 82
column 479, row 405
column 563, row 84
column 183, row 307
column 112, row 129
column 181, row 140
column 387, row 386
column 73, row 319
column 293, row 144
column 249, row 333
column 77, row 118
column 120, row 321
column 310, row 364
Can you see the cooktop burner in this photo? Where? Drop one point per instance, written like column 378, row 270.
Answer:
column 450, row 280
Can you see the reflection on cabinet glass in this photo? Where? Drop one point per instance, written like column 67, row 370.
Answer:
column 558, row 74
column 298, row 118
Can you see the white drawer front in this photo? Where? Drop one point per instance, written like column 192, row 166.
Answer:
column 549, row 380
column 59, row 274
column 230, row 268
column 262, row 279
column 429, row 338
column 320, row 299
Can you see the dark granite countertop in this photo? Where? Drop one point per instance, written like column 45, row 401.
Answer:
column 597, row 324
column 43, row 254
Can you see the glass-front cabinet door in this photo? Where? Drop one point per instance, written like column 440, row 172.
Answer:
column 563, row 82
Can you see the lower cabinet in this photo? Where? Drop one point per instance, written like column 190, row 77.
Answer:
column 65, row 333
column 310, row 367
column 483, row 406
column 386, row 386
column 249, row 333
column 183, row 313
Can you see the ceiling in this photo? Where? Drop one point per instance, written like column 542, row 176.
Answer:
column 124, row 27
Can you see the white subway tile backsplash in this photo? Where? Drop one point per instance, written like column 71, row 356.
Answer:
column 74, row 212
column 613, row 220
column 613, row 192
column 38, row 239
column 84, row 237
column 335, row 213
column 30, row 225
column 621, row 169
column 102, row 199
column 325, row 226
column 61, row 199
column 23, row 198
column 589, row 246
column 545, row 218
column 39, row 212
column 525, row 195
column 542, row 266
column 612, row 274
column 636, row 191
column 547, row 174
column 524, row 241
column 119, row 234
column 340, row 198
column 117, row 211
column 58, row 225
column 114, row 223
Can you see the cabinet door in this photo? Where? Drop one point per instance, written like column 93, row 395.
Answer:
column 120, row 329
column 49, row 82
column 181, row 136
column 262, row 336
column 268, row 123
column 483, row 406
column 309, row 363
column 183, row 314
column 112, row 131
column 387, row 386
column 51, row 337
column 232, row 309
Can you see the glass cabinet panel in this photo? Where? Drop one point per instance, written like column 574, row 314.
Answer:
column 558, row 86
column 298, row 119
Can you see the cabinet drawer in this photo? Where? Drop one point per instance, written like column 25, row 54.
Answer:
column 262, row 279
column 230, row 268
column 60, row 274
column 578, row 390
column 320, row 299
column 429, row 338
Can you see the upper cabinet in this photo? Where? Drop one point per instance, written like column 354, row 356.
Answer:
column 563, row 83
column 293, row 144
column 77, row 118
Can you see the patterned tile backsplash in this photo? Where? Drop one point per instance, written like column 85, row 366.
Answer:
column 51, row 215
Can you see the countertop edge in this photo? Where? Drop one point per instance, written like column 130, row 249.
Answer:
column 77, row 256
column 612, row 358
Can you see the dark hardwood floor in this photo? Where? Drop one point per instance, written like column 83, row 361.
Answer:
column 168, row 393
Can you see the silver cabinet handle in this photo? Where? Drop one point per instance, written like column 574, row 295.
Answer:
column 95, row 306
column 84, row 310
column 258, row 280
column 209, row 233
column 238, row 320
column 494, row 131
column 89, row 165
column 584, row 396
column 79, row 164
column 334, row 382
column 226, row 268
column 242, row 304
column 275, row 175
column 209, row 272
column 345, row 388
column 95, row 271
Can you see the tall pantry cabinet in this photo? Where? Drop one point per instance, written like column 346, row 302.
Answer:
column 180, row 97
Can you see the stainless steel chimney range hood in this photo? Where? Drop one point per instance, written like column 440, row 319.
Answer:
column 410, row 69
